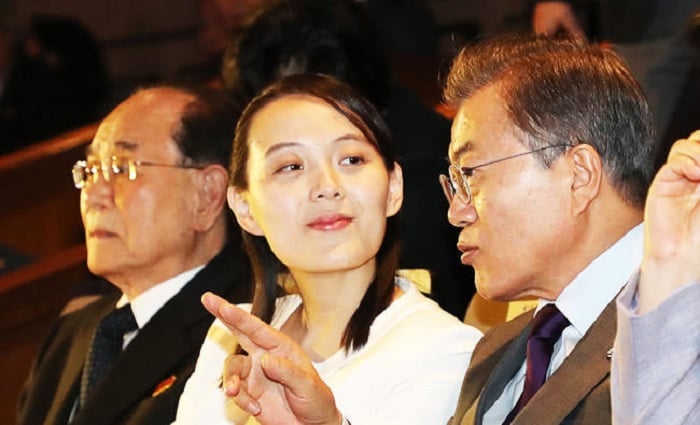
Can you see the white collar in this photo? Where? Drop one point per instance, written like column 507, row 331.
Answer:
column 591, row 291
column 146, row 304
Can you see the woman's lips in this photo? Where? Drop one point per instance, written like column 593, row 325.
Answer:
column 330, row 222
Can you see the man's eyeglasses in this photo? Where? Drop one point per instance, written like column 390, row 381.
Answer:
column 457, row 181
column 112, row 168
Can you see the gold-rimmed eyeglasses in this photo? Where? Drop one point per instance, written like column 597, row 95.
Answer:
column 114, row 167
column 457, row 181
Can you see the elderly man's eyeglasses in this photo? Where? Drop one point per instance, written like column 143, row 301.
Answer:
column 457, row 181
column 112, row 168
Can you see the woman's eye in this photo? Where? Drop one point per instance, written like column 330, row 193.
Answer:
column 353, row 160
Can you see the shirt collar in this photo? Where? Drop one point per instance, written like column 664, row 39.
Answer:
column 585, row 298
column 149, row 302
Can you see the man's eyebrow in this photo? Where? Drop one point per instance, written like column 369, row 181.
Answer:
column 126, row 145
column 463, row 148
column 123, row 145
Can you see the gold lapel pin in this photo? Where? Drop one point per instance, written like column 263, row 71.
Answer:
column 164, row 385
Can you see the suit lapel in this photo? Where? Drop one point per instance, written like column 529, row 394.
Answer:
column 154, row 353
column 568, row 386
column 487, row 356
column 68, row 387
column 167, row 344
column 511, row 361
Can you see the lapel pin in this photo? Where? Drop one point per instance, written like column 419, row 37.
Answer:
column 164, row 385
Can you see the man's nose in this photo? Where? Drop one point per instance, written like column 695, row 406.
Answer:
column 460, row 213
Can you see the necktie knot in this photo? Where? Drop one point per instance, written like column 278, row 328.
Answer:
column 107, row 342
column 548, row 324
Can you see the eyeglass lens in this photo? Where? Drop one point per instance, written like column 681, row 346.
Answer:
column 84, row 171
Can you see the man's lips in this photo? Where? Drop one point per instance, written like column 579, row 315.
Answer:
column 330, row 222
column 468, row 253
column 101, row 233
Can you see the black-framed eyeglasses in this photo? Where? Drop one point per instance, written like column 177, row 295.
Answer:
column 457, row 181
column 114, row 167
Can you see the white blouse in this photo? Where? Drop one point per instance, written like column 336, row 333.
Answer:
column 409, row 372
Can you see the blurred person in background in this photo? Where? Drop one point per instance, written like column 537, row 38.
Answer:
column 54, row 80
column 655, row 39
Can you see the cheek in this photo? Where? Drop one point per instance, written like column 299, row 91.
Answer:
column 275, row 214
column 83, row 204
column 150, row 214
column 373, row 209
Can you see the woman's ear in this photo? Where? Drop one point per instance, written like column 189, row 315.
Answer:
column 241, row 209
column 395, row 195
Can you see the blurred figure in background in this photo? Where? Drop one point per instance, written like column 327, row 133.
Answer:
column 218, row 19
column 55, row 80
column 653, row 37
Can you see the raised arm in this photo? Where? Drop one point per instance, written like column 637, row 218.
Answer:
column 656, row 367
column 672, row 226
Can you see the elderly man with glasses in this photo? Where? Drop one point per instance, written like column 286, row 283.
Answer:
column 153, row 193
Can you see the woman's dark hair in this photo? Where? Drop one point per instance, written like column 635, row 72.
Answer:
column 266, row 266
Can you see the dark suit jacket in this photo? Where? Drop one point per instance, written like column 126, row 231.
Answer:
column 161, row 356
column 577, row 393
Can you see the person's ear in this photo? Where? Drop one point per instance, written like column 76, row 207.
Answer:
column 241, row 209
column 587, row 176
column 211, row 185
column 395, row 194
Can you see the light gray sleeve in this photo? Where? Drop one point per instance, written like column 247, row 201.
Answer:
column 655, row 365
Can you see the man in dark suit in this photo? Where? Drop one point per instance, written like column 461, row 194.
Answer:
column 153, row 191
column 552, row 156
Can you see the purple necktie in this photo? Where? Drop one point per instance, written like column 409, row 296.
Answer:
column 106, row 346
column 547, row 327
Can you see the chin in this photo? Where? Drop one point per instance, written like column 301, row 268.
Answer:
column 490, row 290
column 101, row 266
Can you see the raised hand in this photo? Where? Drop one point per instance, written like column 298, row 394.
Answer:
column 548, row 17
column 276, row 382
column 672, row 225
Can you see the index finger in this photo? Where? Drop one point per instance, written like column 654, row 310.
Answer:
column 249, row 329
